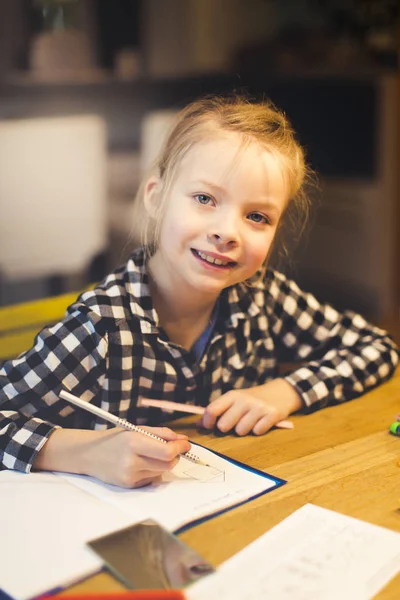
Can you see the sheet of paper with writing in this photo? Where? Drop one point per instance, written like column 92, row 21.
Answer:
column 314, row 553
column 189, row 492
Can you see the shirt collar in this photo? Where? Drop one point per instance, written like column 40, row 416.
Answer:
column 138, row 290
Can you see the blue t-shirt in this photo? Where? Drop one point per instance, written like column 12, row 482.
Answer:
column 200, row 345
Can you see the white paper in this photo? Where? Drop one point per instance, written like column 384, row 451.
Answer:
column 313, row 554
column 185, row 494
column 45, row 521
column 44, row 525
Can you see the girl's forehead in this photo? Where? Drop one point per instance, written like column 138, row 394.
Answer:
column 224, row 146
column 228, row 157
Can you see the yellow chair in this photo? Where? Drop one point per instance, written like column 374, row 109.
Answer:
column 19, row 323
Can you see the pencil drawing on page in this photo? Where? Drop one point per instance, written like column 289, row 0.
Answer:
column 203, row 474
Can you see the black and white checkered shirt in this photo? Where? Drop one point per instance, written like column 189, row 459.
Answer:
column 110, row 349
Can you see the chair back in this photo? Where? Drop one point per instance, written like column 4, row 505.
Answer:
column 19, row 323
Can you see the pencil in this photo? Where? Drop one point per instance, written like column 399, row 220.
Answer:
column 123, row 423
column 169, row 406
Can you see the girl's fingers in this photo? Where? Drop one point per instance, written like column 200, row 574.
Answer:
column 215, row 410
column 263, row 425
column 144, row 463
column 257, row 414
column 165, row 433
column 146, row 446
column 171, row 450
column 248, row 421
column 232, row 416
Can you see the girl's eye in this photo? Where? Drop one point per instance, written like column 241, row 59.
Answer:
column 257, row 218
column 203, row 198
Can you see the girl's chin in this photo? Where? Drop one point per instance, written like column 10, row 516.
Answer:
column 213, row 289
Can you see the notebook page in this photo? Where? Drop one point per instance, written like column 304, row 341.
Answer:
column 44, row 525
column 314, row 553
column 185, row 494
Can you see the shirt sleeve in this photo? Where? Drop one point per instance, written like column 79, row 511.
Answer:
column 342, row 355
column 69, row 355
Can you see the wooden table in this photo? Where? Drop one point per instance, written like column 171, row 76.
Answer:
column 341, row 458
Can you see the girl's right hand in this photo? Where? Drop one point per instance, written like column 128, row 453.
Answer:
column 131, row 459
column 125, row 458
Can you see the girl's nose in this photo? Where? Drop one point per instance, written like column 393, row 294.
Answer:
column 222, row 239
column 224, row 230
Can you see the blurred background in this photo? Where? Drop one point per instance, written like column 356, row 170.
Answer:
column 88, row 89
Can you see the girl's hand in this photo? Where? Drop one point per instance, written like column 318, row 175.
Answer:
column 254, row 409
column 131, row 459
column 116, row 456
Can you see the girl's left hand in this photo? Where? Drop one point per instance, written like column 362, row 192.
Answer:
column 254, row 409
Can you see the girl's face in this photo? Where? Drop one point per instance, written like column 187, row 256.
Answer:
column 221, row 215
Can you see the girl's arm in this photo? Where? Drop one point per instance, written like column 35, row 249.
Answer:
column 69, row 355
column 72, row 355
column 342, row 355
column 115, row 456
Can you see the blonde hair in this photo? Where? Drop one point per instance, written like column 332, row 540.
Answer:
column 207, row 118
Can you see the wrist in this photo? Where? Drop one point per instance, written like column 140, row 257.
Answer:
column 292, row 397
column 289, row 399
column 68, row 450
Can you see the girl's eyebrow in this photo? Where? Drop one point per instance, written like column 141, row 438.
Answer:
column 202, row 182
column 267, row 205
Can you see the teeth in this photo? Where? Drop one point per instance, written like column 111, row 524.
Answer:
column 212, row 260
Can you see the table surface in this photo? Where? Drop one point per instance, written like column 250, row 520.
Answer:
column 341, row 458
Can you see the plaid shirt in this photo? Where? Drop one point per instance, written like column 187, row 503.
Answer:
column 110, row 349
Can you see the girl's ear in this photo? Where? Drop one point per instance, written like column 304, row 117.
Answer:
column 151, row 195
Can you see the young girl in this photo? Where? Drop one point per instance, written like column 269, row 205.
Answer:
column 193, row 316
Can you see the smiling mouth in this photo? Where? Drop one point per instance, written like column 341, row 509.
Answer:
column 228, row 264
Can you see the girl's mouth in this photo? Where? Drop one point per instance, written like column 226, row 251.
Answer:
column 212, row 261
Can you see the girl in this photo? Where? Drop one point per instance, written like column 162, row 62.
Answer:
column 193, row 316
